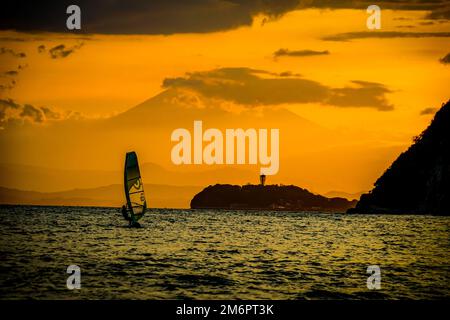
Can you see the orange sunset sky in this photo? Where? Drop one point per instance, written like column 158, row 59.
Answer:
column 347, row 100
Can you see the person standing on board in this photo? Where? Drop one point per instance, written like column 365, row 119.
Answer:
column 125, row 214
column 127, row 217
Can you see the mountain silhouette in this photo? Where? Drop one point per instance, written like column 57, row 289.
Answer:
column 158, row 196
column 271, row 197
column 89, row 153
column 31, row 178
column 418, row 181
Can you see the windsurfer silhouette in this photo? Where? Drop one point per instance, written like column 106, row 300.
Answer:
column 127, row 217
column 125, row 213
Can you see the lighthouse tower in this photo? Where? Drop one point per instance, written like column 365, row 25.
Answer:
column 262, row 179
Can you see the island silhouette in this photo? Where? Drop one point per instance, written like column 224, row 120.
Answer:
column 270, row 197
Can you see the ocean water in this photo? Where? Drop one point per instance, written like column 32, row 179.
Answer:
column 188, row 254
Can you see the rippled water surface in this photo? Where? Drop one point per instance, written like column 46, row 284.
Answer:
column 221, row 255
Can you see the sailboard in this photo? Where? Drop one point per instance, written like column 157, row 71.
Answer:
column 134, row 188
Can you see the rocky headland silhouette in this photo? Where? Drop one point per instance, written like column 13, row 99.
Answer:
column 418, row 181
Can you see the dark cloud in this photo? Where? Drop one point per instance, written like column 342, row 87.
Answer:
column 10, row 73
column 12, row 39
column 51, row 114
column 426, row 23
column 7, row 75
column 245, row 86
column 140, row 16
column 288, row 74
column 257, row 87
column 9, row 103
column 12, row 52
column 7, row 83
column 446, row 59
column 61, row 51
column 41, row 48
column 298, row 53
column 406, row 26
column 5, row 106
column 36, row 114
column 171, row 16
column 434, row 6
column 8, row 86
column 384, row 34
column 428, row 111
column 15, row 113
column 441, row 13
column 364, row 94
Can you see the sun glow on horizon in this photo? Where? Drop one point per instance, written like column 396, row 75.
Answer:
column 345, row 109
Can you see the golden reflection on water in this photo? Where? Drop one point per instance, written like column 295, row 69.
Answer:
column 221, row 255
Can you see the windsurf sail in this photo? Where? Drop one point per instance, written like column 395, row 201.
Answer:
column 134, row 188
